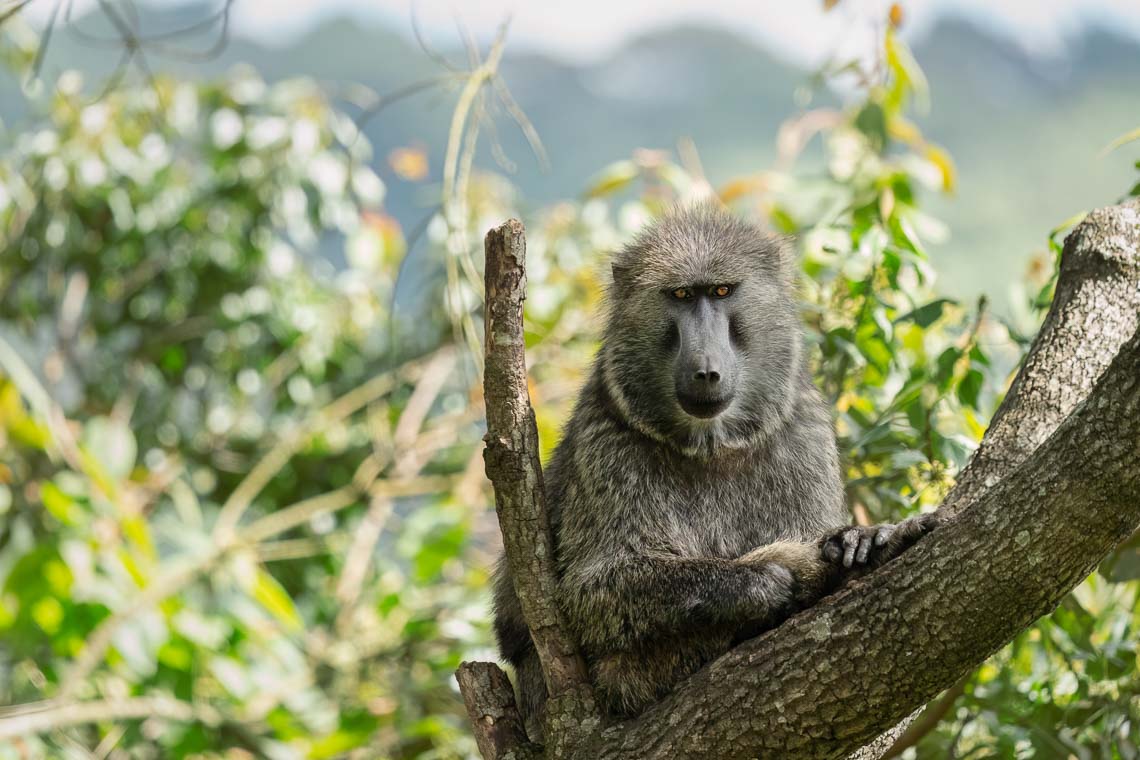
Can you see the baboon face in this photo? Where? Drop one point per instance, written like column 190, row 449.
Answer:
column 703, row 340
column 705, row 360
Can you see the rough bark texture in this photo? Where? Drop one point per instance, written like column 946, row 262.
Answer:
column 1095, row 309
column 1055, row 487
column 512, row 463
column 881, row 745
column 495, row 720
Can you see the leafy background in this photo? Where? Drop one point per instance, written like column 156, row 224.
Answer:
column 242, row 508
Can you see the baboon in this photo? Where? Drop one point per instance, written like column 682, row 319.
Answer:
column 695, row 498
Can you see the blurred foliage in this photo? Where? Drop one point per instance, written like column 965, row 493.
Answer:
column 242, row 510
column 167, row 325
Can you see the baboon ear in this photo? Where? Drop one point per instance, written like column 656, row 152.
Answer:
column 781, row 254
column 621, row 273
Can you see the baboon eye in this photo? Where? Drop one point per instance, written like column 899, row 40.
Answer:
column 721, row 291
column 682, row 294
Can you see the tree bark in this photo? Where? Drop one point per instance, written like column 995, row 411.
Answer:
column 1054, row 487
column 513, row 467
column 491, row 708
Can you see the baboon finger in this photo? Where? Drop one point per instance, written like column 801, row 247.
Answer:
column 850, row 546
column 832, row 551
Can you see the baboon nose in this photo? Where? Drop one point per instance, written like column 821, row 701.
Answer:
column 712, row 377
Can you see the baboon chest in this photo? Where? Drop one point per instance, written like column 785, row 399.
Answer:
column 721, row 511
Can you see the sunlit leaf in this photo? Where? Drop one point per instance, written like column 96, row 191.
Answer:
column 276, row 601
column 61, row 506
column 945, row 164
column 112, row 444
column 613, row 178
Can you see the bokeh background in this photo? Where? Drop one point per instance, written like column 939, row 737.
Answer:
column 242, row 505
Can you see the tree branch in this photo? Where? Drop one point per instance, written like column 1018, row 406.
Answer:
column 513, row 467
column 491, row 708
column 1094, row 310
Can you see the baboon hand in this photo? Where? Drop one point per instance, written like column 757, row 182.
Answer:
column 865, row 547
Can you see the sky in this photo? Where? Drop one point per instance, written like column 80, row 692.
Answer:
column 581, row 30
column 797, row 30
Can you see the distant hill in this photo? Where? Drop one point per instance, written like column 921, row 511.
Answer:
column 1025, row 132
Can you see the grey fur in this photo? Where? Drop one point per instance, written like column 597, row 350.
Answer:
column 675, row 536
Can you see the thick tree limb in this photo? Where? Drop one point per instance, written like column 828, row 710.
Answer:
column 1031, row 521
column 1096, row 308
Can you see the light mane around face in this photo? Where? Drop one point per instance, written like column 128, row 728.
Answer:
column 702, row 348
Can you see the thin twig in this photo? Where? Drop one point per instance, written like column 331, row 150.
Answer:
column 134, row 708
column 268, row 467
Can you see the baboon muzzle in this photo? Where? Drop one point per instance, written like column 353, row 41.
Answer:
column 705, row 370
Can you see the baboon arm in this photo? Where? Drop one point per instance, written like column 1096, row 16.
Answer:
column 631, row 600
column 814, row 573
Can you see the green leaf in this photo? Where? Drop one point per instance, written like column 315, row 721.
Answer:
column 355, row 729
column 927, row 314
column 60, row 505
column 946, row 361
column 971, row 387
column 872, row 122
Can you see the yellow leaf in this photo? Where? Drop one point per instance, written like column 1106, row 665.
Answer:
column 940, row 158
column 613, row 178
column 132, row 567
column 61, row 506
column 270, row 595
column 904, row 130
column 409, row 163
column 740, row 187
column 48, row 614
column 136, row 530
column 973, row 426
column 908, row 74
column 895, row 15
